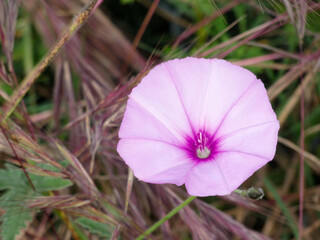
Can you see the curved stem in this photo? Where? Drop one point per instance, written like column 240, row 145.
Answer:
column 165, row 218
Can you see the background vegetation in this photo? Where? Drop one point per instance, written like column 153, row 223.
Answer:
column 66, row 69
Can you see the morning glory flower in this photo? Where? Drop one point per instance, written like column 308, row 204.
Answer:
column 205, row 123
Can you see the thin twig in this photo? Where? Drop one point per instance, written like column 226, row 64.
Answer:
column 301, row 11
column 313, row 161
column 141, row 31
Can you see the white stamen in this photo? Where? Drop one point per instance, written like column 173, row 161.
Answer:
column 203, row 152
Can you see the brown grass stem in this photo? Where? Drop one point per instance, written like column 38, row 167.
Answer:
column 77, row 22
column 17, row 157
column 138, row 37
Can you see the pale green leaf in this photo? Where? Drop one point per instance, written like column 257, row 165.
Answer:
column 45, row 183
column 16, row 216
column 101, row 229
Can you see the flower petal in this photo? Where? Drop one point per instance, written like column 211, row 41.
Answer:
column 207, row 179
column 208, row 87
column 155, row 161
column 156, row 95
column 238, row 167
column 260, row 140
column 139, row 123
column 253, row 108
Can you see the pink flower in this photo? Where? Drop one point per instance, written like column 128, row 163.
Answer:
column 205, row 123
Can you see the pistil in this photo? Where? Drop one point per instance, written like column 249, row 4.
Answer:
column 203, row 152
column 202, row 141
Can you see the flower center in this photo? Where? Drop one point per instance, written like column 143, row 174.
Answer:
column 203, row 153
column 202, row 144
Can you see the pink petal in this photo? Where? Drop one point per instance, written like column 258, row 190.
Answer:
column 208, row 88
column 238, row 167
column 156, row 95
column 207, row 179
column 259, row 140
column 222, row 175
column 140, row 123
column 251, row 109
column 155, row 161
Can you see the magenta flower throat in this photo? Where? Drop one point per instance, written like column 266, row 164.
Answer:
column 205, row 123
column 201, row 146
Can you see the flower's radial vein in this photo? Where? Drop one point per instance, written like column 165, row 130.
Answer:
column 244, row 129
column 234, row 104
column 205, row 98
column 244, row 153
column 159, row 118
column 223, row 176
column 181, row 147
column 181, row 100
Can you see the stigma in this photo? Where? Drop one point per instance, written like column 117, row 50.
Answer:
column 203, row 153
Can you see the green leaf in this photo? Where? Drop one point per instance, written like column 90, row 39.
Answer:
column 16, row 216
column 79, row 231
column 52, row 168
column 12, row 179
column 45, row 183
column 101, row 229
column 290, row 220
column 18, row 190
